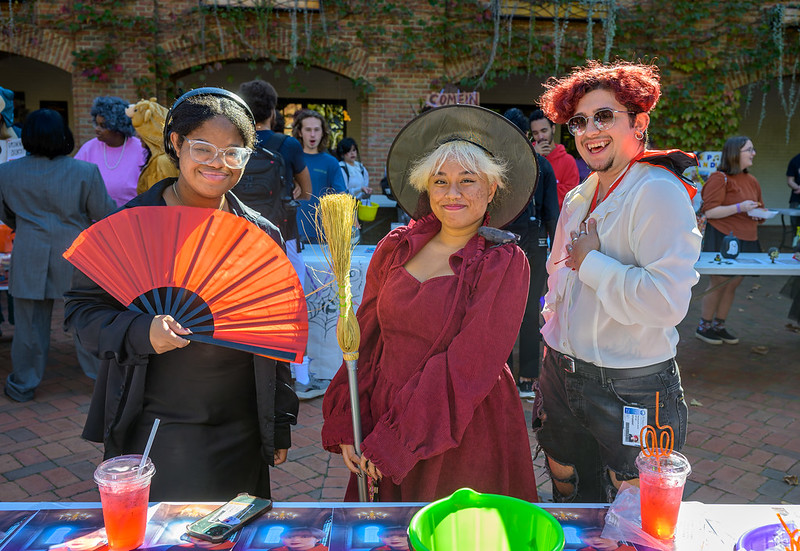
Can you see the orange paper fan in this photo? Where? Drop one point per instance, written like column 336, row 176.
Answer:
column 215, row 273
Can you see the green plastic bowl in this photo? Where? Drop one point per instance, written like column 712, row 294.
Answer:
column 470, row 521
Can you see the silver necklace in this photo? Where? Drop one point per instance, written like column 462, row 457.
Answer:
column 178, row 197
column 121, row 155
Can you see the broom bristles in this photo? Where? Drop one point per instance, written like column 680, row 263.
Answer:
column 348, row 333
column 336, row 215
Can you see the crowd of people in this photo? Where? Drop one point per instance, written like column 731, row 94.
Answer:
column 507, row 228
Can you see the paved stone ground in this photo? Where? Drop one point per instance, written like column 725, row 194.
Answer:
column 743, row 426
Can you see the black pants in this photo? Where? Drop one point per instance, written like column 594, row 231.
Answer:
column 578, row 421
column 529, row 336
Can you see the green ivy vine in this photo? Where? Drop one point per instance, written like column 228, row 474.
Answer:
column 703, row 48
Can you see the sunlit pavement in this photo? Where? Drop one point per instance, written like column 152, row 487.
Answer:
column 744, row 418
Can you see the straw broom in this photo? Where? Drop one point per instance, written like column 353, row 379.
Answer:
column 336, row 215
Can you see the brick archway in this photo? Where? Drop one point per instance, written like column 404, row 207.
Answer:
column 464, row 67
column 41, row 45
column 740, row 78
column 185, row 53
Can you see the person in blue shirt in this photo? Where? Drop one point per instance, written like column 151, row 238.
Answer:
column 262, row 99
column 312, row 130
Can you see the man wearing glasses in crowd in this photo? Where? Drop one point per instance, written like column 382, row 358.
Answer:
column 620, row 277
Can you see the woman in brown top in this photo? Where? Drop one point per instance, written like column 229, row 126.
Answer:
column 728, row 197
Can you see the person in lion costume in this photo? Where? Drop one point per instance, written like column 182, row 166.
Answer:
column 148, row 120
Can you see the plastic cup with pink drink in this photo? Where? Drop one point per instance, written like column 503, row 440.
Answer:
column 124, row 493
column 661, row 482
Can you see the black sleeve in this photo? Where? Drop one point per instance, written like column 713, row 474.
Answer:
column 272, row 231
column 287, row 406
column 549, row 196
column 105, row 327
column 794, row 166
column 387, row 190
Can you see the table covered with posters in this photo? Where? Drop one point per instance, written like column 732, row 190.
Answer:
column 355, row 527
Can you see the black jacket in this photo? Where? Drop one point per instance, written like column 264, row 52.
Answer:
column 540, row 217
column 121, row 339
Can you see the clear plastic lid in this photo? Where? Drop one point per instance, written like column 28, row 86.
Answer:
column 124, row 470
column 672, row 465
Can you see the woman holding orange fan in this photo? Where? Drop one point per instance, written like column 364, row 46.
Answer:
column 225, row 412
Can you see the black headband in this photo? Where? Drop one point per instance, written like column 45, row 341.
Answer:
column 205, row 91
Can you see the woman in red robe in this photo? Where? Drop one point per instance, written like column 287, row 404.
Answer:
column 439, row 317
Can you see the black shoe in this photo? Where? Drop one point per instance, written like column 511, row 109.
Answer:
column 526, row 389
column 726, row 336
column 708, row 335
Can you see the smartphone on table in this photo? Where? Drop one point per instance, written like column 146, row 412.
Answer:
column 219, row 524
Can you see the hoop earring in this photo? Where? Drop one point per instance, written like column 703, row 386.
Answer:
column 639, row 135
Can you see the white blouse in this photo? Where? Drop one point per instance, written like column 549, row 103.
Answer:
column 355, row 176
column 621, row 307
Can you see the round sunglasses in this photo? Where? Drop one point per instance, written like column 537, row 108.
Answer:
column 603, row 119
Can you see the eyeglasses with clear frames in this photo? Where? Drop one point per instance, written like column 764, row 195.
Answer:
column 603, row 119
column 205, row 153
column 749, row 150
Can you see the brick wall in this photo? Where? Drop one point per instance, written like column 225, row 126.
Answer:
column 189, row 41
column 387, row 110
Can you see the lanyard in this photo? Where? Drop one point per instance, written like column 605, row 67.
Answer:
column 595, row 202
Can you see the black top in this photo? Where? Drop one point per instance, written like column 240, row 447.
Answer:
column 207, row 446
column 542, row 211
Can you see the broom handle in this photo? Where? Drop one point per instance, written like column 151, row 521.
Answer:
column 355, row 409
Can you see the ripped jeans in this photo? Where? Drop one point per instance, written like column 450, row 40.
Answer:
column 579, row 421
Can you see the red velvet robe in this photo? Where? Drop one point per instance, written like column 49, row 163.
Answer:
column 439, row 406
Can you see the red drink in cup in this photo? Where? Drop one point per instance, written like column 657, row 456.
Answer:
column 661, row 482
column 125, row 516
column 124, row 493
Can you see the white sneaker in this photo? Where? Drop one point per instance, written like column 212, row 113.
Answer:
column 315, row 387
column 525, row 389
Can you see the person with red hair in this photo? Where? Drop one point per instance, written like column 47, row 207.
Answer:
column 620, row 277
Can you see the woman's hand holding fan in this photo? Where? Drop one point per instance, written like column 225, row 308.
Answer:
column 165, row 334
